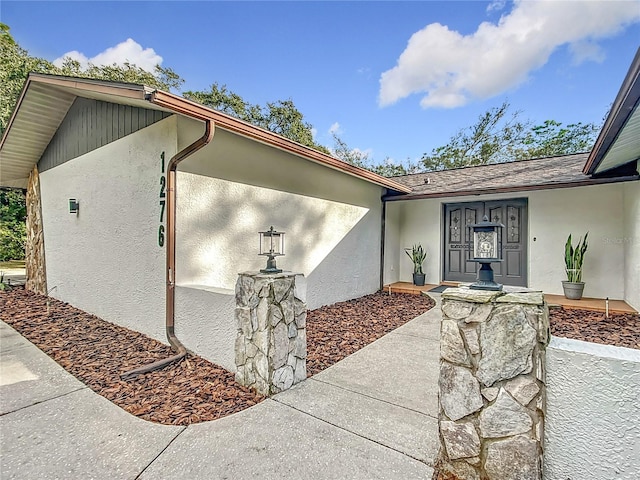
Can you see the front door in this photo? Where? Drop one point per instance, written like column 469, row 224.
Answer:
column 512, row 214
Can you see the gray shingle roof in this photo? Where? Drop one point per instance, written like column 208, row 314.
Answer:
column 539, row 173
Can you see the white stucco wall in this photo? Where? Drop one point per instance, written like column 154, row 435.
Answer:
column 631, row 242
column 592, row 428
column 106, row 260
column 204, row 320
column 552, row 214
column 234, row 188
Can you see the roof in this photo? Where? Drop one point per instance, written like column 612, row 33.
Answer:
column 46, row 99
column 536, row 174
column 619, row 141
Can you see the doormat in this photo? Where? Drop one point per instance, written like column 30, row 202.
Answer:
column 439, row 288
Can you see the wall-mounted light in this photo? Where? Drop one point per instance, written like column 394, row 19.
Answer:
column 74, row 206
column 271, row 246
column 486, row 247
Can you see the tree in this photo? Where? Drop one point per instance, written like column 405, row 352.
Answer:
column 357, row 157
column 551, row 139
column 281, row 117
column 16, row 64
column 499, row 136
column 13, row 214
column 488, row 141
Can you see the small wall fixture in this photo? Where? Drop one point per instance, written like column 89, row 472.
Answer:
column 74, row 206
column 271, row 246
column 485, row 240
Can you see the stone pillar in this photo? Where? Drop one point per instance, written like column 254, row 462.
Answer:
column 34, row 247
column 492, row 384
column 271, row 344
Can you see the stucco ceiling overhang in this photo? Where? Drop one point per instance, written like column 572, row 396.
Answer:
column 46, row 99
column 619, row 141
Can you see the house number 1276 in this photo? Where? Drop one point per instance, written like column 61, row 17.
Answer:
column 163, row 202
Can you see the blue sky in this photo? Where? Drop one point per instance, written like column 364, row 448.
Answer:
column 395, row 79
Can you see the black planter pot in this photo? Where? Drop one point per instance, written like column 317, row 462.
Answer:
column 418, row 279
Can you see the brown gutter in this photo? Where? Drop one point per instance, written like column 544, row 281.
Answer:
column 177, row 105
column 227, row 122
column 521, row 188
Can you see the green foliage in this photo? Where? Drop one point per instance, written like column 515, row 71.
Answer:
column 574, row 258
column 499, row 136
column 417, row 256
column 361, row 159
column 281, row 117
column 550, row 139
column 13, row 232
column 490, row 140
column 16, row 64
column 161, row 78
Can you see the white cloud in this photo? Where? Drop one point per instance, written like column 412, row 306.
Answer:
column 127, row 51
column 496, row 5
column 335, row 129
column 452, row 69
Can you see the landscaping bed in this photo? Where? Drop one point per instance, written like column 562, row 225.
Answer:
column 620, row 329
column 194, row 389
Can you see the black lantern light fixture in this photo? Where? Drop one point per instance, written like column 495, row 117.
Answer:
column 271, row 246
column 485, row 240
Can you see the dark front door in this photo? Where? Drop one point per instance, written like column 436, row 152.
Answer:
column 512, row 214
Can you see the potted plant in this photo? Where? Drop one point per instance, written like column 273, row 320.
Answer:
column 417, row 256
column 573, row 259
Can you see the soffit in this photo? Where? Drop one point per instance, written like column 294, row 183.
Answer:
column 41, row 109
column 626, row 146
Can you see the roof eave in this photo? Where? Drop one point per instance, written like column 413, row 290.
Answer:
column 622, row 108
column 519, row 188
column 182, row 106
column 227, row 122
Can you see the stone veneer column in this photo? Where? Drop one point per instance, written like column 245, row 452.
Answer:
column 492, row 384
column 271, row 344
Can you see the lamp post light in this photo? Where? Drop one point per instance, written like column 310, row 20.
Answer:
column 271, row 246
column 486, row 248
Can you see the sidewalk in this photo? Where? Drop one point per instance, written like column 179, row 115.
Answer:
column 372, row 415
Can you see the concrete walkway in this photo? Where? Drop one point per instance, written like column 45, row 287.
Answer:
column 372, row 415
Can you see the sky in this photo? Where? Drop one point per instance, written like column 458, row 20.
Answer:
column 392, row 79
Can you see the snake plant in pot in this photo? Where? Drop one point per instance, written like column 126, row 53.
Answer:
column 573, row 260
column 417, row 256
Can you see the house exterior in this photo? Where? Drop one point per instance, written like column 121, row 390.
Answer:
column 109, row 147
column 540, row 202
column 172, row 196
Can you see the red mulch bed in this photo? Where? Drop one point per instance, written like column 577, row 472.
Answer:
column 336, row 331
column 192, row 390
column 620, row 329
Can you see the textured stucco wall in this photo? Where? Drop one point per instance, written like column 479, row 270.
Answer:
column 593, row 420
column 553, row 214
column 417, row 221
column 205, row 322
column 631, row 242
column 392, row 251
column 232, row 189
column 106, row 260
